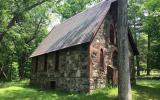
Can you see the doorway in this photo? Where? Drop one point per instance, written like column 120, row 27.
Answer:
column 52, row 84
column 110, row 76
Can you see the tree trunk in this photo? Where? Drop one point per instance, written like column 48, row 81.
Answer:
column 133, row 71
column 148, row 55
column 21, row 63
column 137, row 56
column 124, row 86
column 135, row 38
column 138, row 67
column 11, row 71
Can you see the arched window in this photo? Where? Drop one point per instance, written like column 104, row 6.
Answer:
column 115, row 59
column 101, row 59
column 111, row 34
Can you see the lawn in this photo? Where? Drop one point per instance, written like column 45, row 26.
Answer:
column 20, row 90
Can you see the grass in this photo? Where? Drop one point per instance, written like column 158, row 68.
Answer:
column 146, row 90
column 153, row 73
column 20, row 90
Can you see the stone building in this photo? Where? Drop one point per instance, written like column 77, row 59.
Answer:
column 80, row 54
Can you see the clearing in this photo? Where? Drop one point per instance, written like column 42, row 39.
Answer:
column 20, row 90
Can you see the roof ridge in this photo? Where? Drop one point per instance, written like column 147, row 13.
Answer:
column 78, row 29
column 80, row 13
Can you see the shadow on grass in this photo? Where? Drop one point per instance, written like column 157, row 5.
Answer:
column 146, row 93
column 23, row 91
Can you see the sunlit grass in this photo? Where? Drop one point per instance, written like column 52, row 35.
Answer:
column 147, row 90
column 14, row 83
column 153, row 73
column 20, row 90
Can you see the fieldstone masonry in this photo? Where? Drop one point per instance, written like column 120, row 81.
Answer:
column 102, row 43
column 72, row 73
column 83, row 67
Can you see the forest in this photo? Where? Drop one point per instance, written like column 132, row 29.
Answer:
column 25, row 23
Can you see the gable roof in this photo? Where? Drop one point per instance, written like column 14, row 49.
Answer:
column 75, row 30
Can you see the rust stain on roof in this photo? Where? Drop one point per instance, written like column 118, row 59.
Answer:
column 76, row 30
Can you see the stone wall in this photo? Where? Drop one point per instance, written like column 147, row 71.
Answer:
column 71, row 73
column 100, row 76
column 102, row 44
column 84, row 67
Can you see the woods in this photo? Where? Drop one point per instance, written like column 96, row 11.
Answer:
column 19, row 30
column 23, row 26
column 25, row 23
column 145, row 26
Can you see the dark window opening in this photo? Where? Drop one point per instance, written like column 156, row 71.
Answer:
column 112, row 34
column 101, row 59
column 45, row 62
column 52, row 84
column 115, row 59
column 36, row 65
column 57, row 61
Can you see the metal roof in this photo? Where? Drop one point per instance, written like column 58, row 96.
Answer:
column 75, row 30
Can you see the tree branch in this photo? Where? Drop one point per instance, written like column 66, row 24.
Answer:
column 34, row 5
column 36, row 31
column 16, row 17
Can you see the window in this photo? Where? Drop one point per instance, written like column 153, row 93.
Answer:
column 101, row 59
column 45, row 62
column 41, row 63
column 36, row 66
column 111, row 34
column 57, row 61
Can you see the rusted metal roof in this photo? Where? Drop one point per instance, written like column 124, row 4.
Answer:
column 76, row 30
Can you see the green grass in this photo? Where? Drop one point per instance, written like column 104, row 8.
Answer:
column 153, row 73
column 20, row 90
column 146, row 90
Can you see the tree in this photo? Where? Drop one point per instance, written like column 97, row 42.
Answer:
column 135, row 23
column 152, row 28
column 124, row 87
column 21, row 38
column 14, row 12
column 72, row 7
column 27, row 30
